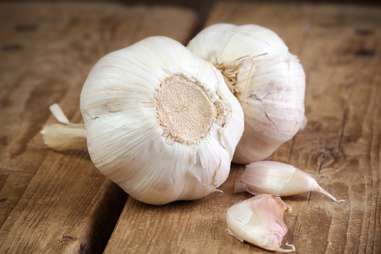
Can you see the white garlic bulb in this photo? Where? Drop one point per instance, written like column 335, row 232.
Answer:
column 259, row 221
column 160, row 121
column 268, row 81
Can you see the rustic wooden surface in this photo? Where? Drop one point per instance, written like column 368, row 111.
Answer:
column 52, row 202
column 340, row 48
column 59, row 203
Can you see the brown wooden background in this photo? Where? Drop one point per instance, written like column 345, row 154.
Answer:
column 58, row 203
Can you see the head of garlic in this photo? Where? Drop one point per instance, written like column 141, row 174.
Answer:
column 160, row 121
column 268, row 81
column 259, row 221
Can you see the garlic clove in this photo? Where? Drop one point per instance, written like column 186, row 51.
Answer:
column 277, row 178
column 265, row 77
column 259, row 221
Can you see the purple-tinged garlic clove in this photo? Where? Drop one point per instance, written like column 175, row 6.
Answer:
column 259, row 221
column 277, row 178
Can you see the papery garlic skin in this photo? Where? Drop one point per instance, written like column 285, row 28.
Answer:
column 277, row 178
column 259, row 221
column 160, row 121
column 268, row 81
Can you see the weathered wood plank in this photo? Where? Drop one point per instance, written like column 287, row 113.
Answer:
column 52, row 202
column 340, row 47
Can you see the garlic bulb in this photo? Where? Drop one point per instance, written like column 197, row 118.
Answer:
column 277, row 178
column 268, row 81
column 160, row 122
column 259, row 221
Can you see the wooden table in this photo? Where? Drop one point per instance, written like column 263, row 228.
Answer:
column 58, row 202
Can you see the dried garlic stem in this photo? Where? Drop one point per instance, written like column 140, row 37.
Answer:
column 64, row 135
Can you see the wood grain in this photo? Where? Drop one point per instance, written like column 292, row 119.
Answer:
column 340, row 47
column 52, row 202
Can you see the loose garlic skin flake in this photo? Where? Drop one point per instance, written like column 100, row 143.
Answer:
column 259, row 221
column 268, row 81
column 160, row 122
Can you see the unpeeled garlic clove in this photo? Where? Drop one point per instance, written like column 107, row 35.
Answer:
column 259, row 221
column 277, row 178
